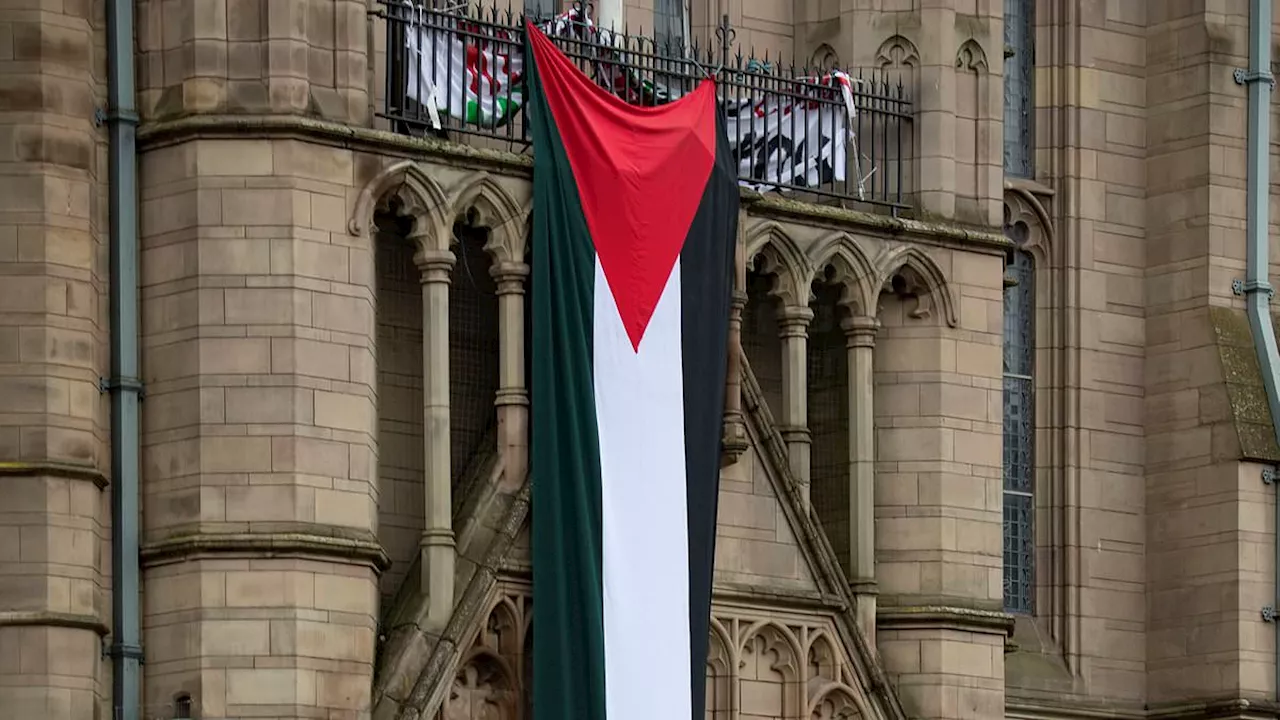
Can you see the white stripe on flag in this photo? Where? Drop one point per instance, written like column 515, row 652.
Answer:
column 640, row 417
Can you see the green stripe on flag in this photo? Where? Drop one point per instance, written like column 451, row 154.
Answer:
column 568, row 627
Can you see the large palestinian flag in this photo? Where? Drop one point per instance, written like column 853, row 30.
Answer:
column 635, row 218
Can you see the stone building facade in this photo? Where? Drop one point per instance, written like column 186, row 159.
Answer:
column 995, row 453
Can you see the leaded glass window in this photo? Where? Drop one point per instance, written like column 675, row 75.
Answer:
column 1019, row 95
column 540, row 8
column 1019, row 435
column 669, row 26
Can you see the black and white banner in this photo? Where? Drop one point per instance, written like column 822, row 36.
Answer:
column 777, row 138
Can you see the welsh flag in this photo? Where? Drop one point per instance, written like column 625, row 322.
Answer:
column 635, row 219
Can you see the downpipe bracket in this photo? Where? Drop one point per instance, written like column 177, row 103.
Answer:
column 1269, row 475
column 133, row 385
column 118, row 650
column 1269, row 613
column 1248, row 77
column 102, row 116
column 1240, row 287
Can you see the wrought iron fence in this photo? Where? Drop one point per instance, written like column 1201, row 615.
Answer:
column 458, row 70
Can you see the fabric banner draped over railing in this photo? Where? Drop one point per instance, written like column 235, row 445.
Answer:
column 474, row 73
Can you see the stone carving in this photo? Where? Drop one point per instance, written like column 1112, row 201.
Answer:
column 897, row 53
column 755, row 668
column 824, row 58
column 907, row 271
column 839, row 259
column 772, row 252
column 481, row 200
column 971, row 57
column 492, row 682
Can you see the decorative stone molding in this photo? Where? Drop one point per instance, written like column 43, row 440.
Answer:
column 45, row 618
column 67, row 471
column 484, row 201
column 971, row 57
column 907, row 270
column 357, row 548
column 897, row 52
column 780, row 257
column 842, row 256
column 418, row 196
column 944, row 617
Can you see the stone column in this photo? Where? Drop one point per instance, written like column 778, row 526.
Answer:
column 793, row 328
column 735, row 432
column 513, row 396
column 436, row 546
column 860, row 334
column 54, row 514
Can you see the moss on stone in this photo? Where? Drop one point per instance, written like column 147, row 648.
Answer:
column 1242, row 376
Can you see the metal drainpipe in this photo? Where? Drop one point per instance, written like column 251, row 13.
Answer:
column 1257, row 286
column 125, row 384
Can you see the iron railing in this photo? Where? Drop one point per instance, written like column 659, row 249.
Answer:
column 457, row 70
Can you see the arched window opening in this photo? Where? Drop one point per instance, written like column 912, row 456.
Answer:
column 473, row 354
column 400, row 434
column 760, row 340
column 828, row 417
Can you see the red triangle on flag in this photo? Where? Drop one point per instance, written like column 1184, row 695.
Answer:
column 641, row 173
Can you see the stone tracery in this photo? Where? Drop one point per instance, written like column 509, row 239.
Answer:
column 793, row 670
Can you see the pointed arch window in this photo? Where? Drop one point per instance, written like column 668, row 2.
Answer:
column 1019, row 430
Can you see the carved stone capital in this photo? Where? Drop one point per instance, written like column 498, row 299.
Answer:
column 510, row 277
column 797, row 435
column 860, row 330
column 511, row 396
column 794, row 321
column 436, row 537
column 435, row 265
column 734, row 441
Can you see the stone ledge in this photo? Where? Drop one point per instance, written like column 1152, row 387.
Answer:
column 44, row 618
column 69, row 471
column 777, row 206
column 258, row 545
column 1069, row 708
column 754, row 596
column 944, row 617
column 1214, row 709
column 159, row 134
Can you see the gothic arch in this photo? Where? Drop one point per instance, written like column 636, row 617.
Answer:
column 783, row 259
column 924, row 280
column 971, row 57
column 837, row 702
column 852, row 270
column 504, row 628
column 1023, row 207
column 777, row 639
column 897, row 52
column 484, row 678
column 420, row 197
column 822, row 655
column 720, row 635
column 506, row 217
column 721, row 671
column 824, row 59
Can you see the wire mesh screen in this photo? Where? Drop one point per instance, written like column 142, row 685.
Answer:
column 399, row 352
column 457, row 70
column 829, row 419
column 760, row 339
column 473, row 348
